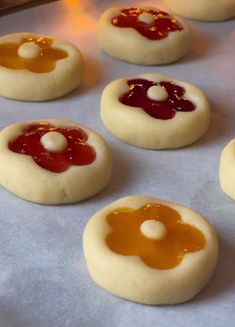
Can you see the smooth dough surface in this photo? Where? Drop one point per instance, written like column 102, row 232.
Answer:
column 227, row 169
column 134, row 126
column 208, row 10
column 130, row 278
column 23, row 84
column 23, row 177
column 129, row 45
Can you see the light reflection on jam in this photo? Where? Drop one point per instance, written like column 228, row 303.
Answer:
column 163, row 23
column 44, row 63
column 167, row 253
column 77, row 151
column 137, row 97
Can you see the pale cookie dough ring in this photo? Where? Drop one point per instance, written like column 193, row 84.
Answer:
column 26, row 85
column 26, row 179
column 209, row 10
column 227, row 169
column 134, row 126
column 130, row 278
column 129, row 45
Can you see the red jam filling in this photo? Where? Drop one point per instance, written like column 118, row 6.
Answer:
column 137, row 97
column 163, row 23
column 76, row 153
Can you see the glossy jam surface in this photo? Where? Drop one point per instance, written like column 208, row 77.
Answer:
column 162, row 25
column 45, row 62
column 127, row 239
column 137, row 97
column 77, row 152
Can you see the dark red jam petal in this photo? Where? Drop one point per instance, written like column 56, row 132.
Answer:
column 137, row 97
column 77, row 152
column 159, row 29
column 52, row 161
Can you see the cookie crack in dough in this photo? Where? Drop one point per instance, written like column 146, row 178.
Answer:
column 63, row 193
column 55, row 85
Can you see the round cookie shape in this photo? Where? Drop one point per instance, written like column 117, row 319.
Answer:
column 155, row 111
column 137, row 267
column 227, row 169
column 210, row 10
column 143, row 36
column 53, row 161
column 38, row 68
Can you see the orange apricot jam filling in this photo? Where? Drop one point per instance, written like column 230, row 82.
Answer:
column 166, row 252
column 42, row 62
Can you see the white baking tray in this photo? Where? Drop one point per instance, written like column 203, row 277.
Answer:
column 11, row 5
column 43, row 277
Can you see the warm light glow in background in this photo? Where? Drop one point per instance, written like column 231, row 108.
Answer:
column 79, row 17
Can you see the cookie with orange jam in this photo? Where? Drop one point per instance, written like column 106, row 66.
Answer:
column 150, row 251
column 155, row 111
column 37, row 68
column 144, row 36
column 53, row 161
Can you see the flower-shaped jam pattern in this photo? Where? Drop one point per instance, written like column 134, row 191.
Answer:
column 158, row 28
column 137, row 97
column 76, row 153
column 127, row 239
column 43, row 61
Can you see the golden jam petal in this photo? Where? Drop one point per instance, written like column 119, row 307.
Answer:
column 167, row 252
column 42, row 62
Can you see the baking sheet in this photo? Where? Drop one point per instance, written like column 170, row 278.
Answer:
column 7, row 5
column 43, row 277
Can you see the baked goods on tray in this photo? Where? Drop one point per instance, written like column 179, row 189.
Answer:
column 53, row 161
column 144, row 36
column 155, row 111
column 150, row 251
column 37, row 68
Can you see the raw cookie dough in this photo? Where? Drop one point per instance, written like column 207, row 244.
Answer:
column 37, row 68
column 165, row 262
column 227, row 169
column 208, row 10
column 171, row 127
column 64, row 163
column 128, row 44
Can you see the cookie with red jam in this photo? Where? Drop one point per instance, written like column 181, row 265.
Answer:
column 143, row 36
column 155, row 111
column 53, row 161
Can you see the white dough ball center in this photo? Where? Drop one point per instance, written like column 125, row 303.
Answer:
column 153, row 229
column 29, row 50
column 54, row 141
column 157, row 93
column 146, row 18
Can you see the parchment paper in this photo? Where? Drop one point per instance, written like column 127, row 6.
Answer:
column 44, row 281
